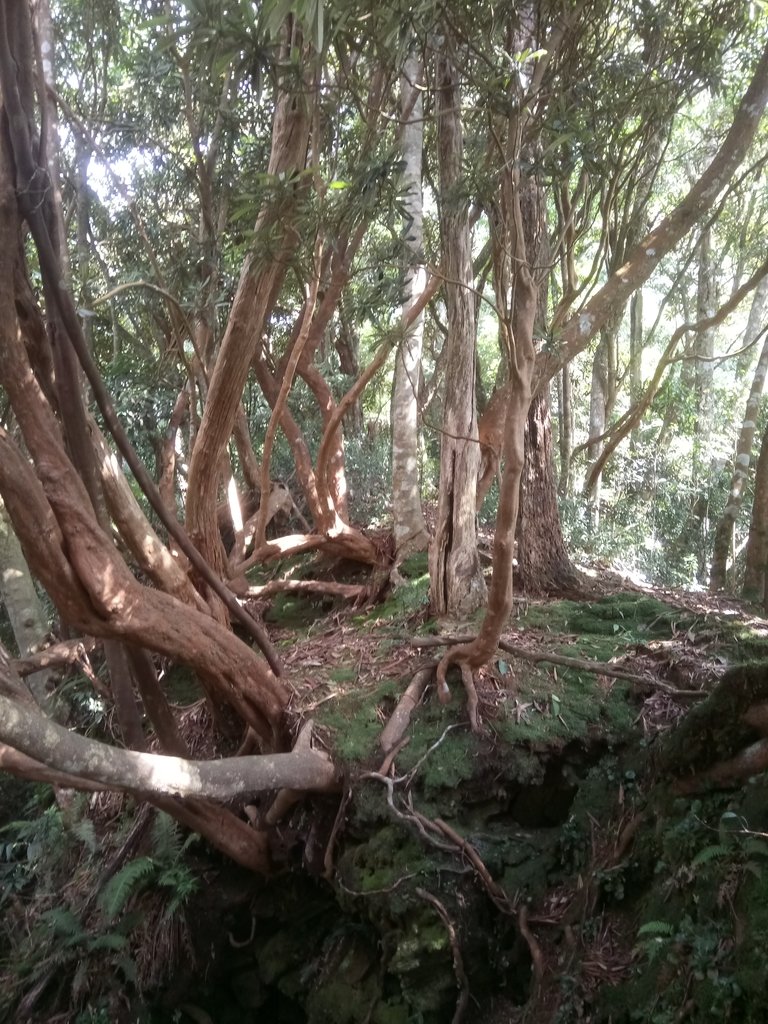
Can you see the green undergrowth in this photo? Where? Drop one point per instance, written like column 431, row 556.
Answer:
column 625, row 617
column 701, row 921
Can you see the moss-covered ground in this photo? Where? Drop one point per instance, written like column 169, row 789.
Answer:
column 640, row 906
column 541, row 870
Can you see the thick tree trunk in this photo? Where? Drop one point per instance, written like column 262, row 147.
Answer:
column 543, row 565
column 457, row 585
column 260, row 281
column 408, row 526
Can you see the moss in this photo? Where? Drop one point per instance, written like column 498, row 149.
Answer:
column 623, row 616
column 569, row 705
column 713, row 729
column 354, row 718
column 296, row 611
column 411, row 596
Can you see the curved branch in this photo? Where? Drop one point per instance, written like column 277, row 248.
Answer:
column 63, row 751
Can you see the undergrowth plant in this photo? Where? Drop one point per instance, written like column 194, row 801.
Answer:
column 86, row 923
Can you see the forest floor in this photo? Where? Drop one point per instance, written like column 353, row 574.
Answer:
column 571, row 861
column 542, row 869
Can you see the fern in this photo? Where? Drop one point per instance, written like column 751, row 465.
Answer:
column 660, row 928
column 128, row 880
column 62, row 921
column 167, row 843
column 710, row 853
column 109, row 940
column 756, row 847
column 86, row 833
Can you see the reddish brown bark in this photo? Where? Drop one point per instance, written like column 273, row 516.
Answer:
column 543, row 565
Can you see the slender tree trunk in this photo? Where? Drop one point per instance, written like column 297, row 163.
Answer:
column 602, row 397
column 635, row 352
column 755, row 323
column 565, row 431
column 756, row 574
column 22, row 605
column 260, row 281
column 457, row 585
column 409, row 528
column 723, row 543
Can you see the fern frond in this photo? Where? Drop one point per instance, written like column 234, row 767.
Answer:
column 128, row 880
column 167, row 843
column 64, row 922
column 709, row 853
column 109, row 940
column 662, row 928
column 86, row 833
column 756, row 847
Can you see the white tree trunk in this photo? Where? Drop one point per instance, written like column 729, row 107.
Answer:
column 409, row 528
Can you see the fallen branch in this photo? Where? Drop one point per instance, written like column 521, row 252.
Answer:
column 349, row 591
column 400, row 718
column 31, row 733
column 601, row 668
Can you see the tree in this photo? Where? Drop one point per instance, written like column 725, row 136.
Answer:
column 408, row 526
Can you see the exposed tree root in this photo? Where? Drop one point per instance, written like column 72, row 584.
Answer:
column 585, row 665
column 462, row 981
column 388, row 761
column 751, row 761
column 349, row 591
column 401, row 716
column 537, row 958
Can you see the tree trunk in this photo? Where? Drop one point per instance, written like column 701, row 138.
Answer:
column 409, row 528
column 602, row 398
column 565, row 431
column 22, row 605
column 723, row 542
column 635, row 352
column 260, row 281
column 543, row 565
column 756, row 573
column 457, row 584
